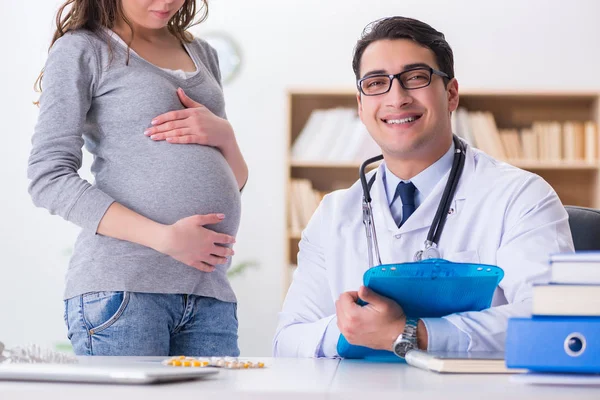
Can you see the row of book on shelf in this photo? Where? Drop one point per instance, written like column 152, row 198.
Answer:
column 337, row 135
column 550, row 141
column 334, row 135
column 304, row 200
column 563, row 333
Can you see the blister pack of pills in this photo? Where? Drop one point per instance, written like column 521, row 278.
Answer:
column 220, row 362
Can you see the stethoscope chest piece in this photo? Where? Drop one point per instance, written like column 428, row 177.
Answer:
column 429, row 253
column 432, row 252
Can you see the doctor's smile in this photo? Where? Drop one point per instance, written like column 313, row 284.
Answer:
column 403, row 120
column 402, row 123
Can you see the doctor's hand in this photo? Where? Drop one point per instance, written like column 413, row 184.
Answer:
column 189, row 242
column 376, row 325
column 195, row 124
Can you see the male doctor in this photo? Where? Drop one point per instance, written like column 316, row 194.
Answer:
column 499, row 214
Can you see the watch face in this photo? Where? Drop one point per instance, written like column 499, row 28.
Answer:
column 403, row 347
column 230, row 58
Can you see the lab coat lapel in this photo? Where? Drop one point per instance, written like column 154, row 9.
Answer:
column 467, row 174
column 381, row 208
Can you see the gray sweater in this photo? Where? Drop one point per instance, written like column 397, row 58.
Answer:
column 92, row 97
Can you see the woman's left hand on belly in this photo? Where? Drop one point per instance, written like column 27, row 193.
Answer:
column 195, row 124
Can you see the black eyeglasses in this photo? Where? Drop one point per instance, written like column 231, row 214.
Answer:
column 415, row 78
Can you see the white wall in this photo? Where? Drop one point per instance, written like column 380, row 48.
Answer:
column 516, row 44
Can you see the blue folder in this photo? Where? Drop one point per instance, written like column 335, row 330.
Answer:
column 430, row 288
column 554, row 344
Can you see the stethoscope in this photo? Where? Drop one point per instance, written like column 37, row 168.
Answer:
column 435, row 230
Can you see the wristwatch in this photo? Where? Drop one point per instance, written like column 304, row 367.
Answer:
column 407, row 339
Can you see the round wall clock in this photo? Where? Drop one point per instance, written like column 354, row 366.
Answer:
column 230, row 58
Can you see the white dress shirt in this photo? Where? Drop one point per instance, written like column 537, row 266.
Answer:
column 502, row 216
column 425, row 182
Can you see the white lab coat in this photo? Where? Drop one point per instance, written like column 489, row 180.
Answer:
column 501, row 216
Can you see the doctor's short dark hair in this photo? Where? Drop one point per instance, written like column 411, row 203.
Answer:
column 406, row 28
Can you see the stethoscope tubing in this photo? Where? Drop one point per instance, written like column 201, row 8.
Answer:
column 439, row 220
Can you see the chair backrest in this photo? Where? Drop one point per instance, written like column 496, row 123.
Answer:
column 585, row 227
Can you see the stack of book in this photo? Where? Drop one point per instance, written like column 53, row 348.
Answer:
column 334, row 135
column 563, row 335
column 304, row 200
column 545, row 141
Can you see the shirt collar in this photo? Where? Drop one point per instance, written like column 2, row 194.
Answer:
column 425, row 181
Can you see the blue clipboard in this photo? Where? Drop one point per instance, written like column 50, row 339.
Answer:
column 427, row 289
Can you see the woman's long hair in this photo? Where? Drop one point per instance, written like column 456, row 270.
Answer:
column 93, row 15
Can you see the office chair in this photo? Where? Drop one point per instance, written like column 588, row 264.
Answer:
column 585, row 227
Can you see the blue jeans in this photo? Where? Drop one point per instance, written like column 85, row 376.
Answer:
column 148, row 324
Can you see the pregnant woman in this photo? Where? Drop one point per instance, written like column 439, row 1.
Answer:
column 148, row 272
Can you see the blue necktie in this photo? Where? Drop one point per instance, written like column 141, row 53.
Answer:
column 406, row 191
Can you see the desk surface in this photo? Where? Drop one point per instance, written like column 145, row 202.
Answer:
column 307, row 378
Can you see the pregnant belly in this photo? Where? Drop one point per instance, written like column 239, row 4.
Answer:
column 171, row 182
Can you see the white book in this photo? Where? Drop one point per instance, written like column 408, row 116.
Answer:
column 555, row 141
column 454, row 123
column 566, row 300
column 539, row 130
column 579, row 256
column 573, row 141
column 294, row 210
column 315, row 149
column 368, row 148
column 328, row 133
column 308, row 135
column 341, row 135
column 512, row 143
column 579, row 141
column 307, row 199
column 576, row 273
column 569, row 139
column 495, row 141
column 463, row 126
column 296, row 203
column 591, row 142
column 466, row 128
column 529, row 142
column 354, row 140
column 578, row 268
column 459, row 363
column 479, row 129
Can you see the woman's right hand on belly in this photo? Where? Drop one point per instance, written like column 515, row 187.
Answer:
column 189, row 242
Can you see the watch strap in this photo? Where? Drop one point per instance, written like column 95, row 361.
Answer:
column 410, row 329
column 407, row 340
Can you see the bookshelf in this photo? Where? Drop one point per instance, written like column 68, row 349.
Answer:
column 577, row 181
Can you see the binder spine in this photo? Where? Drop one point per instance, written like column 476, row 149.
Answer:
column 554, row 344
